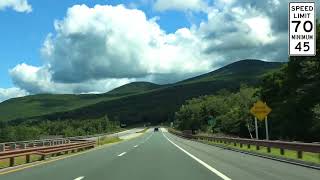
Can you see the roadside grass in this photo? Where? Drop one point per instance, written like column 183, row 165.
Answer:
column 275, row 152
column 108, row 140
column 143, row 131
column 18, row 161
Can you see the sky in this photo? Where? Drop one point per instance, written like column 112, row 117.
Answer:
column 93, row 46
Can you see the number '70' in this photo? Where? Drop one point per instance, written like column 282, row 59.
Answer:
column 305, row 28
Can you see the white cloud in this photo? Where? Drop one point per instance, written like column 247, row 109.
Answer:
column 115, row 42
column 97, row 49
column 38, row 80
column 17, row 5
column 260, row 28
column 245, row 29
column 180, row 5
column 11, row 93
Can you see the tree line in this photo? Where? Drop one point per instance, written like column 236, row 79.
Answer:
column 38, row 129
column 225, row 112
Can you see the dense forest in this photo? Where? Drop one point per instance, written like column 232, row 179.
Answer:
column 293, row 93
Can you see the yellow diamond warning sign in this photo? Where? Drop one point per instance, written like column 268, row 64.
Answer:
column 260, row 110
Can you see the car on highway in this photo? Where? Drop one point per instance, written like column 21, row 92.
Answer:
column 156, row 129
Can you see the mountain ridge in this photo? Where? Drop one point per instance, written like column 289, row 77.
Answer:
column 164, row 98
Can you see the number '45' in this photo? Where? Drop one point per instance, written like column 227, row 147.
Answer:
column 305, row 45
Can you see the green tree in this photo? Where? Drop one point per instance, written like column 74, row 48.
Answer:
column 292, row 93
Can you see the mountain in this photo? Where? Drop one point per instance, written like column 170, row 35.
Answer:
column 240, row 70
column 133, row 88
column 135, row 102
column 41, row 104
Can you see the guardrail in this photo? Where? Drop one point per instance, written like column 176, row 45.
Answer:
column 282, row 145
column 45, row 151
column 46, row 147
column 7, row 146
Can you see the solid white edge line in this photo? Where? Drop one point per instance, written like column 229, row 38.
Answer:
column 79, row 178
column 224, row 177
column 122, row 154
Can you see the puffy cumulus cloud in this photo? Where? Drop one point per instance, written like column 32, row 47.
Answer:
column 180, row 5
column 11, row 93
column 116, row 42
column 99, row 48
column 39, row 80
column 246, row 29
column 17, row 5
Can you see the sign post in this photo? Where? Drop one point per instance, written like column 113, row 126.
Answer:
column 256, row 127
column 260, row 110
column 267, row 131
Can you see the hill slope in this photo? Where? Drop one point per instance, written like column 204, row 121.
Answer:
column 134, row 87
column 42, row 104
column 240, row 70
column 138, row 102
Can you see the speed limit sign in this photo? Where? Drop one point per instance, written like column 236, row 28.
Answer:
column 302, row 29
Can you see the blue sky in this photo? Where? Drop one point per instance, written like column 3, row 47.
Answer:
column 22, row 34
column 93, row 46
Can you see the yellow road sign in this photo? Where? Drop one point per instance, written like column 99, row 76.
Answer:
column 260, row 110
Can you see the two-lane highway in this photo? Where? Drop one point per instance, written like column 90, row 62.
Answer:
column 158, row 156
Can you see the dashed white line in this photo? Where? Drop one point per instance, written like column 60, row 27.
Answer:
column 122, row 154
column 79, row 178
column 146, row 139
column 135, row 146
column 224, row 177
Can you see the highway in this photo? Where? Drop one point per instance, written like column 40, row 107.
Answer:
column 160, row 156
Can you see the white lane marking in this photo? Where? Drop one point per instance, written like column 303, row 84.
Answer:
column 146, row 139
column 135, row 146
column 122, row 154
column 79, row 178
column 224, row 177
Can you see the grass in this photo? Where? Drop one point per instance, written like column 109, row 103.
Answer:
column 108, row 140
column 143, row 131
column 275, row 152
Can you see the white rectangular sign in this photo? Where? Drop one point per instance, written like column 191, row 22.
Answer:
column 302, row 28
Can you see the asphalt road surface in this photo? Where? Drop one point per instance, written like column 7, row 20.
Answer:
column 162, row 156
column 122, row 135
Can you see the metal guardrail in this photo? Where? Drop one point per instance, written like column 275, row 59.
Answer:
column 8, row 146
column 45, row 151
column 282, row 145
column 45, row 147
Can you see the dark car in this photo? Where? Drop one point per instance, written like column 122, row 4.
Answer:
column 156, row 129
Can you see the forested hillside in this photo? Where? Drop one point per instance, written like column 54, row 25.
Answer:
column 293, row 93
column 130, row 104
